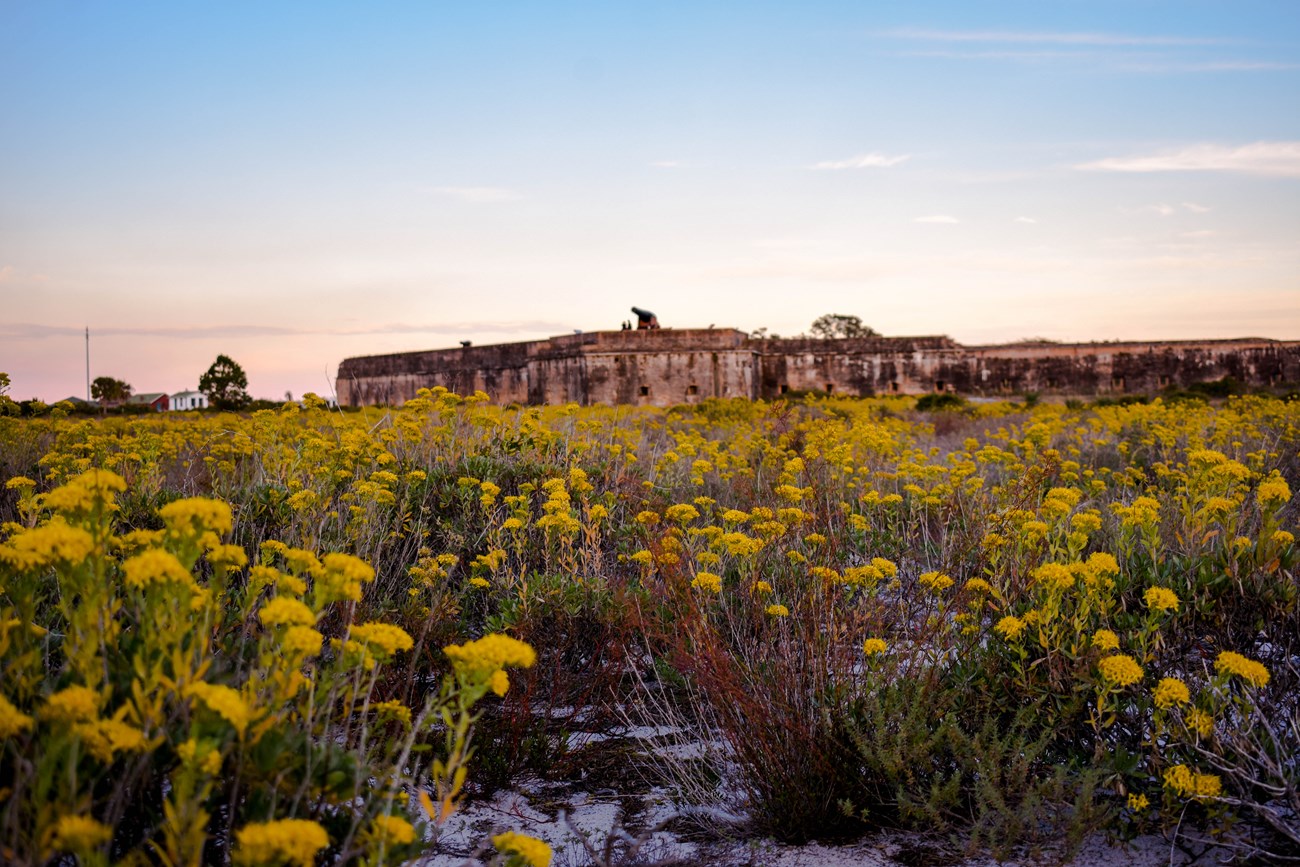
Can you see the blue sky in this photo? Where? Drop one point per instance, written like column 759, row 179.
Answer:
column 294, row 183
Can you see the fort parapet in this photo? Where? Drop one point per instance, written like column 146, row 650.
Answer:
column 671, row 366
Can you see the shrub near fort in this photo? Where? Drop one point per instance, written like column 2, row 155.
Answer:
column 275, row 638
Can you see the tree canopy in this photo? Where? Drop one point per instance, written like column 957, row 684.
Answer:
column 225, row 383
column 106, row 389
column 838, row 325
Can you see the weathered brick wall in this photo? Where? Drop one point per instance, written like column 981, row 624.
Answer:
column 666, row 367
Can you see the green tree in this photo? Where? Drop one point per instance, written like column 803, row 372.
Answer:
column 837, row 325
column 108, row 390
column 8, row 406
column 225, row 384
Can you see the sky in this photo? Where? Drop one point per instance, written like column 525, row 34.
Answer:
column 293, row 183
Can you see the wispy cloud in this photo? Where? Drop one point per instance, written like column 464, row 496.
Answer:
column 668, row 164
column 871, row 160
column 1197, row 209
column 1278, row 159
column 6, row 273
column 479, row 195
column 1031, row 37
column 35, row 331
column 936, row 218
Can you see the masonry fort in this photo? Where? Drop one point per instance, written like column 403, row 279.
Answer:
column 663, row 367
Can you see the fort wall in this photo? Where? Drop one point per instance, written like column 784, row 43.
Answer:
column 672, row 366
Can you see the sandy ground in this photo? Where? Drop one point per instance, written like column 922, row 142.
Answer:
column 585, row 816
column 580, row 816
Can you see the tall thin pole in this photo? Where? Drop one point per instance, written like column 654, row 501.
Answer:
column 87, row 364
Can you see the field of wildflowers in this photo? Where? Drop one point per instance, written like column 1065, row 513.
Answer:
column 306, row 636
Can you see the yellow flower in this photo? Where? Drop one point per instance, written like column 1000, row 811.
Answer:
column 341, row 577
column 385, row 638
column 89, row 491
column 762, row 587
column 978, row 585
column 489, row 654
column 1056, row 577
column 1161, row 599
column 286, row 611
column 55, row 541
column 708, row 582
column 1185, row 783
column 522, row 849
column 104, row 738
column 301, row 641
column 935, row 581
column 1171, row 691
column 1138, row 803
column 1200, row 722
column 192, row 517
column 1010, row 627
column 1273, row 492
column 73, row 704
column 1105, row 640
column 778, row 610
column 295, row 841
column 874, row 646
column 392, row 831
column 154, row 566
column 12, row 720
column 80, row 834
column 499, row 683
column 223, row 701
column 682, row 513
column 1248, row 670
column 1120, row 669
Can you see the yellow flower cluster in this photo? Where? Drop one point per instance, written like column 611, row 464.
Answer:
column 223, row 701
column 1171, row 691
column 88, row 492
column 302, row 641
column 1010, row 627
column 935, row 582
column 522, row 849
column 1120, row 669
column 1055, row 577
column 12, row 720
column 1160, row 599
column 1105, row 640
column 53, row 542
column 80, row 834
column 195, row 516
column 1254, row 673
column 342, row 576
column 286, row 611
column 104, row 738
column 385, row 638
column 1186, row 783
column 154, row 566
column 72, row 704
column 874, row 646
column 291, row 841
column 777, row 610
column 708, row 582
column 489, row 654
column 392, row 831
column 1273, row 492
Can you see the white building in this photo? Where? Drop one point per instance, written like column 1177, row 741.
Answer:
column 184, row 400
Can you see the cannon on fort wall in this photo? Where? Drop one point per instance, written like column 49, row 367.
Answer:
column 645, row 320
